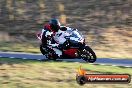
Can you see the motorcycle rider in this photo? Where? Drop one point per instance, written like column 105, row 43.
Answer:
column 46, row 37
column 53, row 35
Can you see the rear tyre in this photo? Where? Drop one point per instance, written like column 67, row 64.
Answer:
column 88, row 54
column 42, row 50
column 49, row 53
column 51, row 56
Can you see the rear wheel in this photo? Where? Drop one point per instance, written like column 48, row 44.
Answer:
column 88, row 54
column 49, row 53
column 51, row 57
column 43, row 50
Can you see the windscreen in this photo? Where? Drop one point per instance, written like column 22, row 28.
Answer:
column 74, row 33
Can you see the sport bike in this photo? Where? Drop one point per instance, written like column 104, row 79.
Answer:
column 73, row 47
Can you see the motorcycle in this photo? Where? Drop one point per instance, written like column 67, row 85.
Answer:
column 73, row 46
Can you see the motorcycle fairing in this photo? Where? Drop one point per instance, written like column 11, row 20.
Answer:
column 71, row 52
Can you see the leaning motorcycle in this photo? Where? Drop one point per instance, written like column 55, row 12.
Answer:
column 74, row 47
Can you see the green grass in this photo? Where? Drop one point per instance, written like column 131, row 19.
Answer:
column 19, row 47
column 18, row 73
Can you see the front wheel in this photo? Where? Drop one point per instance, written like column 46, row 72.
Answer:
column 88, row 54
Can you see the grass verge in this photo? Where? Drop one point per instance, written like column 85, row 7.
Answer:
column 19, row 47
column 18, row 73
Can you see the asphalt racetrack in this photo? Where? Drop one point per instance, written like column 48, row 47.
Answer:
column 101, row 61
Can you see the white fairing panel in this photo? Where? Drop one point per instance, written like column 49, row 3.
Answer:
column 59, row 37
column 73, row 34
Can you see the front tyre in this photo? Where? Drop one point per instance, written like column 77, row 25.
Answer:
column 88, row 54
